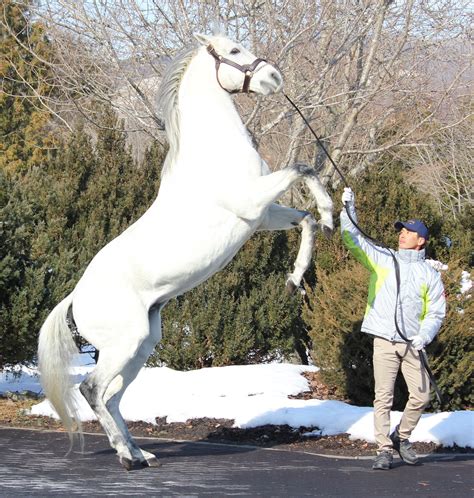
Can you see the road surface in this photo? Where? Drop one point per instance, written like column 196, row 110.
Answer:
column 32, row 463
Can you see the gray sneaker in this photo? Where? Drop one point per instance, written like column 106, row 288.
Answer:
column 404, row 448
column 383, row 461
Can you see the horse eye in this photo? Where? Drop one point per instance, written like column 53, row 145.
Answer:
column 235, row 51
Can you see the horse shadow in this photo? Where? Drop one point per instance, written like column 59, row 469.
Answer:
column 172, row 450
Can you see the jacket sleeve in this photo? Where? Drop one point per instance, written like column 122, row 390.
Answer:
column 434, row 309
column 370, row 255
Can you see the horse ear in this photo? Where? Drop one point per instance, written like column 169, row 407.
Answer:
column 203, row 39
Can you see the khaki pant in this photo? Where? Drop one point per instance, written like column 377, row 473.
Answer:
column 388, row 357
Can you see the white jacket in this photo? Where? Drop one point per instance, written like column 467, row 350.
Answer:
column 422, row 304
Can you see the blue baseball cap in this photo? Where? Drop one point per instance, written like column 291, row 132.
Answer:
column 414, row 226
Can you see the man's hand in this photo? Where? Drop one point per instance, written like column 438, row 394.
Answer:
column 418, row 342
column 348, row 196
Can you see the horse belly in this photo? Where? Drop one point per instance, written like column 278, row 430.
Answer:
column 188, row 256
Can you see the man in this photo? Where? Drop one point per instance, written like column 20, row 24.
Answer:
column 420, row 312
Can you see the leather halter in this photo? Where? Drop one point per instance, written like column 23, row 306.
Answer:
column 248, row 69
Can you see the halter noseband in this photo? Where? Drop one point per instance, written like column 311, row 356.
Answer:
column 248, row 69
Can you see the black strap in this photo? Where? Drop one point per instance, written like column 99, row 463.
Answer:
column 426, row 366
column 248, row 69
column 421, row 352
column 71, row 323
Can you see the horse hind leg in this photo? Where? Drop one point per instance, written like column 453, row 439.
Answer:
column 138, row 455
column 93, row 389
column 116, row 389
column 103, row 389
column 112, row 375
column 113, row 396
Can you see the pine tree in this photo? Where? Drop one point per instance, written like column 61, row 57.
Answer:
column 25, row 126
column 22, row 288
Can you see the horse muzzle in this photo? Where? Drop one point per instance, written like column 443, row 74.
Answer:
column 271, row 80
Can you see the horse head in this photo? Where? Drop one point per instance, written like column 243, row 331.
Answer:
column 238, row 70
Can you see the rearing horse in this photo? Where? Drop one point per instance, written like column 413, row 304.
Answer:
column 215, row 192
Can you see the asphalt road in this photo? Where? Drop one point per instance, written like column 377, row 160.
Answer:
column 32, row 463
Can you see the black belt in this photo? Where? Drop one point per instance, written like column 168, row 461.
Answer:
column 70, row 320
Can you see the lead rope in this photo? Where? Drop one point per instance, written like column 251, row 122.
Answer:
column 421, row 353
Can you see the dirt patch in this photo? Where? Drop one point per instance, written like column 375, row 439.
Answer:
column 14, row 408
column 317, row 389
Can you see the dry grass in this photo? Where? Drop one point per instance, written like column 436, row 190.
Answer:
column 14, row 414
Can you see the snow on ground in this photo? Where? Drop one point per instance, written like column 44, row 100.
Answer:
column 252, row 395
column 466, row 282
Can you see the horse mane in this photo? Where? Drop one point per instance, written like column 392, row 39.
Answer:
column 168, row 100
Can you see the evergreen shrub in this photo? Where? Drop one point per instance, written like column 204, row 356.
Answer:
column 453, row 351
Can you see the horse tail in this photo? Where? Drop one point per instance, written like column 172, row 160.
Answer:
column 56, row 348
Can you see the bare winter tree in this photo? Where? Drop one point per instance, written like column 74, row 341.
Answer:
column 445, row 169
column 374, row 77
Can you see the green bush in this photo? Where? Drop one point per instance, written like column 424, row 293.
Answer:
column 453, row 352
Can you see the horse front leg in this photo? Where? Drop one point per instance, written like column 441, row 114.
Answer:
column 323, row 203
column 284, row 218
column 250, row 199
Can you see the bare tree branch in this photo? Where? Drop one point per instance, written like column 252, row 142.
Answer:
column 375, row 79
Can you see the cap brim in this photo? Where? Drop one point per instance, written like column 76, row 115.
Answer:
column 399, row 225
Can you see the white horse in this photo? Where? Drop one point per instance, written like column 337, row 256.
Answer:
column 215, row 192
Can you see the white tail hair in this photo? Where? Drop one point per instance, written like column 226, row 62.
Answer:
column 56, row 349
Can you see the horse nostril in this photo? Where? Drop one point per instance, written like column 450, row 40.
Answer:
column 276, row 77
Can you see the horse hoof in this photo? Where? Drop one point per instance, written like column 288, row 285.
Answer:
column 327, row 231
column 152, row 462
column 129, row 464
column 291, row 287
column 304, row 170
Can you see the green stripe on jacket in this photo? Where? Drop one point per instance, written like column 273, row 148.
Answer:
column 378, row 273
column 426, row 301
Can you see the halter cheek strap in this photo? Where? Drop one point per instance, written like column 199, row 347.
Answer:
column 248, row 69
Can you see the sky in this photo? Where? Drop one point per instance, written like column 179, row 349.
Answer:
column 252, row 395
